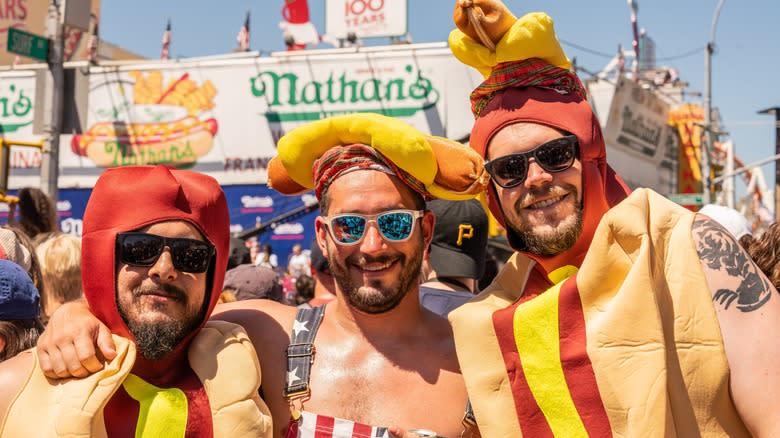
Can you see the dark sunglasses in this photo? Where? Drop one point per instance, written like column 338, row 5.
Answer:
column 554, row 156
column 394, row 226
column 143, row 249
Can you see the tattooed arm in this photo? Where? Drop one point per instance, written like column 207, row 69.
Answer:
column 748, row 311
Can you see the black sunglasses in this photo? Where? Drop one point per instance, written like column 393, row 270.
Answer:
column 143, row 249
column 554, row 156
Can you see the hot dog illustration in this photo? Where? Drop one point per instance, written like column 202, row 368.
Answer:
column 164, row 123
column 178, row 142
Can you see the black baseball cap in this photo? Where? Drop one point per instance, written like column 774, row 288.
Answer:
column 318, row 261
column 460, row 238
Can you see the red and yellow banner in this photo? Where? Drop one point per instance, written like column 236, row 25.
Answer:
column 688, row 120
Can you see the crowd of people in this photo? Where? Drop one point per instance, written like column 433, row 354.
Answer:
column 619, row 313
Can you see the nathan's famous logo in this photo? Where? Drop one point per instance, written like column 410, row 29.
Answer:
column 15, row 109
column 340, row 93
column 163, row 125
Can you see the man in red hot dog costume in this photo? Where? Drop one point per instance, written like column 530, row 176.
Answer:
column 155, row 248
column 620, row 314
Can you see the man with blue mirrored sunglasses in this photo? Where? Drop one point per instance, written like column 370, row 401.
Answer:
column 372, row 362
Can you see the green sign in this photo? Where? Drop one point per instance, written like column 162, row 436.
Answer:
column 27, row 44
column 687, row 198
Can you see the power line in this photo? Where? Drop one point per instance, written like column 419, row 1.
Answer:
column 610, row 56
column 695, row 51
column 585, row 49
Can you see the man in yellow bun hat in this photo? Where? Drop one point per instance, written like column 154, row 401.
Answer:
column 620, row 314
column 373, row 362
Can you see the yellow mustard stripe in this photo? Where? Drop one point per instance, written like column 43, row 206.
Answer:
column 537, row 339
column 163, row 412
column 562, row 273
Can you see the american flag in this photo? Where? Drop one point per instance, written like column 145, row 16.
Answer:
column 243, row 35
column 166, row 41
column 321, row 426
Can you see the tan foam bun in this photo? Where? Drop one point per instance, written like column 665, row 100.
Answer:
column 460, row 168
column 484, row 21
column 279, row 179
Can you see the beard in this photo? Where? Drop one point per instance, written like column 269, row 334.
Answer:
column 156, row 339
column 372, row 297
column 549, row 238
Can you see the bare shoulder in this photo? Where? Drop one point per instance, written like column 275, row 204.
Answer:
column 256, row 314
column 13, row 375
column 439, row 337
column 735, row 281
column 748, row 313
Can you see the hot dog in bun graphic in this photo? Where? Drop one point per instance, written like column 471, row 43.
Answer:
column 163, row 124
column 182, row 141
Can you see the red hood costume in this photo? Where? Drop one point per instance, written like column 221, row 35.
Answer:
column 117, row 205
column 602, row 188
column 617, row 335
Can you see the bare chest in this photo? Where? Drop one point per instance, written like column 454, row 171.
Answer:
column 405, row 387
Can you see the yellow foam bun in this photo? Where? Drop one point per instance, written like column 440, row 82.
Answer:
column 396, row 140
column 531, row 36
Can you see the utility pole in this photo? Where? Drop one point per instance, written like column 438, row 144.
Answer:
column 776, row 112
column 53, row 90
column 707, row 143
column 632, row 4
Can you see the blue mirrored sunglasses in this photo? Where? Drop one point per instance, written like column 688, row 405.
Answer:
column 394, row 225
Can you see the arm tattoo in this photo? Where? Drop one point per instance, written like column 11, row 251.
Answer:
column 720, row 251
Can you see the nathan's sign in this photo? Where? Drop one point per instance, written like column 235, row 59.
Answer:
column 17, row 95
column 397, row 94
column 637, row 119
column 224, row 117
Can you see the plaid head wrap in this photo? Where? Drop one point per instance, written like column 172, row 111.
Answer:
column 342, row 159
column 531, row 72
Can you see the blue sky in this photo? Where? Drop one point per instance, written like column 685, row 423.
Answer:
column 745, row 66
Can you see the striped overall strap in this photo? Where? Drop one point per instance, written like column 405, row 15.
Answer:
column 300, row 351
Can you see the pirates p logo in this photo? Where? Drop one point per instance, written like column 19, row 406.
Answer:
column 465, row 231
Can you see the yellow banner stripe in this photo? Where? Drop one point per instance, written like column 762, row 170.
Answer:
column 163, row 411
column 538, row 344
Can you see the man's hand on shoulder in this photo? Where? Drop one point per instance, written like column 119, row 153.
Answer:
column 67, row 346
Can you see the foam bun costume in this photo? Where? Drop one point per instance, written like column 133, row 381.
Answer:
column 614, row 336
column 445, row 168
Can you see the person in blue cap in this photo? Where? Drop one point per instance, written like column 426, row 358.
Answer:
column 20, row 309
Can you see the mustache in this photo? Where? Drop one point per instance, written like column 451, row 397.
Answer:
column 168, row 290
column 362, row 260
column 536, row 194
